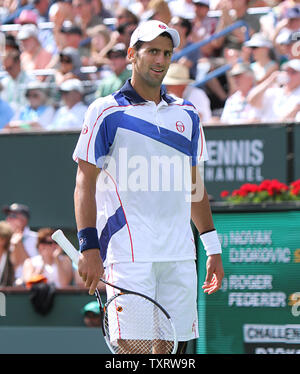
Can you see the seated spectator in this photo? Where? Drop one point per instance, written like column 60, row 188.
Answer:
column 84, row 15
column 138, row 7
column 203, row 26
column 99, row 8
column 126, row 22
column 38, row 114
column 124, row 15
column 11, row 43
column 91, row 314
column 237, row 109
column 7, row 114
column 100, row 39
column 27, row 16
column 15, row 82
column 263, row 65
column 42, row 9
column 157, row 10
column 33, row 55
column 124, row 33
column 7, row 273
column 178, row 83
column 233, row 11
column 50, row 262
column 72, row 37
column 184, row 28
column 289, row 22
column 14, row 9
column 71, row 115
column 182, row 8
column 278, row 97
column 274, row 15
column 120, row 73
column 69, row 66
column 59, row 12
column 23, row 241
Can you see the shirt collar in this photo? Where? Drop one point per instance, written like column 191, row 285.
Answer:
column 130, row 93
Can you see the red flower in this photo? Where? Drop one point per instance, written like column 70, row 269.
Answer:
column 224, row 193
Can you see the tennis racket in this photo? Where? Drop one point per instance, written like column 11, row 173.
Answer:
column 132, row 323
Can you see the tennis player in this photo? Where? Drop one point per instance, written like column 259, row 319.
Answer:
column 138, row 186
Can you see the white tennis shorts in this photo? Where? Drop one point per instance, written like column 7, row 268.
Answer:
column 172, row 284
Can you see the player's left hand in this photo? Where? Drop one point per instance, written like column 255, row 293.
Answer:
column 214, row 274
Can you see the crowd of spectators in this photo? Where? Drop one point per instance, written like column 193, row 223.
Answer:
column 28, row 257
column 47, row 43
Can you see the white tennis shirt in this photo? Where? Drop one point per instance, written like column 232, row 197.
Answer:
column 145, row 152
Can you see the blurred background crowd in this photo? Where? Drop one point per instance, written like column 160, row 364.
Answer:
column 238, row 61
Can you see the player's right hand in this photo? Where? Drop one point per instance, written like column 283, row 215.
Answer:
column 90, row 268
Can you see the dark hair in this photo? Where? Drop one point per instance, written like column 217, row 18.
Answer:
column 138, row 45
column 43, row 234
column 186, row 24
column 13, row 54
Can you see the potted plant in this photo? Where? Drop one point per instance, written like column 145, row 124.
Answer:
column 268, row 191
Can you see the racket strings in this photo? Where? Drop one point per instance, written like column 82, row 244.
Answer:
column 135, row 325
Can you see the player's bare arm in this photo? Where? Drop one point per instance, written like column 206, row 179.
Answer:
column 90, row 266
column 202, row 218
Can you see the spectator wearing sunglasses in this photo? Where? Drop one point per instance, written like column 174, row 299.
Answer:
column 49, row 263
column 263, row 65
column 15, row 82
column 69, row 66
column 117, row 57
column 24, row 240
column 38, row 114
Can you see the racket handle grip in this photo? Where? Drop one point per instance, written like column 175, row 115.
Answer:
column 66, row 245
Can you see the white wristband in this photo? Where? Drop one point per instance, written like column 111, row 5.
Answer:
column 211, row 243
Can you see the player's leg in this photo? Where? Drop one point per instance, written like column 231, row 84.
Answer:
column 177, row 292
column 140, row 278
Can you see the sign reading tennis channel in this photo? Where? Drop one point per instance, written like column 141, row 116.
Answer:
column 259, row 301
column 243, row 154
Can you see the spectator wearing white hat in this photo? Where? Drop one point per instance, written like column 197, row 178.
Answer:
column 38, row 113
column 71, row 115
column 263, row 65
column 15, row 82
column 33, row 55
column 278, row 97
column 178, row 83
column 237, row 108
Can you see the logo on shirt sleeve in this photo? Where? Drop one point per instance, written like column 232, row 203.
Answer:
column 84, row 130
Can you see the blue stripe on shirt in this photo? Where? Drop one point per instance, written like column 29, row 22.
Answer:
column 114, row 224
column 107, row 131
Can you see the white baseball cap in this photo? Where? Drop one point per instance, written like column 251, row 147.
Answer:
column 293, row 64
column 258, row 40
column 72, row 85
column 150, row 30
